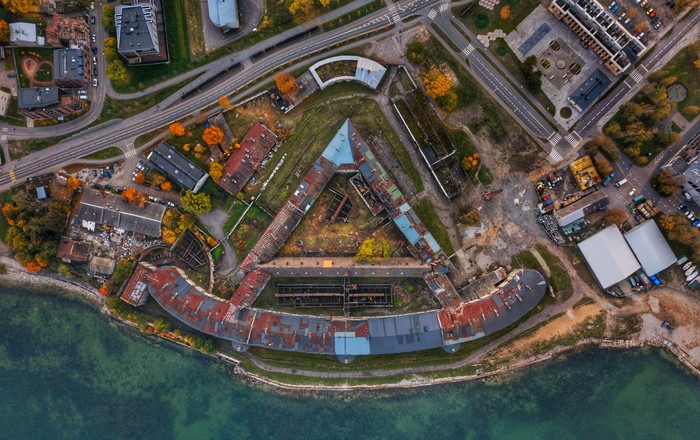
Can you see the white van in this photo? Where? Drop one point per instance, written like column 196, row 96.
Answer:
column 620, row 183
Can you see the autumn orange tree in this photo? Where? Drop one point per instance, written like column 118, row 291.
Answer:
column 285, row 82
column 213, row 135
column 470, row 162
column 505, row 12
column 436, row 83
column 225, row 103
column 139, row 178
column 216, row 170
column 4, row 32
column 166, row 186
column 131, row 195
column 177, row 129
column 21, row 7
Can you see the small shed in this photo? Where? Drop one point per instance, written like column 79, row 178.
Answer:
column 100, row 266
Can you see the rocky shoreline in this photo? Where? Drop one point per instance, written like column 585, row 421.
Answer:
column 17, row 277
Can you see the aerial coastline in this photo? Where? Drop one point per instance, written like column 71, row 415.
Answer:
column 355, row 196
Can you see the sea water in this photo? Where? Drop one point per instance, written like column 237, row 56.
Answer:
column 66, row 371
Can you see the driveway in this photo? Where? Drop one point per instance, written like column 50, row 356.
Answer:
column 213, row 221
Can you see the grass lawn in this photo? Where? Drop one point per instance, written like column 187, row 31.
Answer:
column 195, row 29
column 249, row 230
column 558, row 276
column 481, row 21
column 217, row 253
column 22, row 148
column 511, row 62
column 315, row 123
column 233, row 215
column 13, row 116
column 427, row 214
column 526, row 260
column 107, row 153
column 681, row 66
column 45, row 73
column 219, row 197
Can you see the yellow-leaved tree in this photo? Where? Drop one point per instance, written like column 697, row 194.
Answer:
column 216, row 170
column 437, row 84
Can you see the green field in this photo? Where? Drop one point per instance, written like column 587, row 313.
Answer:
column 249, row 230
column 107, row 153
column 427, row 214
column 233, row 215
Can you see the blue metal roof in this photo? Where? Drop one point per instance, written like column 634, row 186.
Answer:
column 339, row 149
column 431, row 242
column 407, row 229
column 346, row 343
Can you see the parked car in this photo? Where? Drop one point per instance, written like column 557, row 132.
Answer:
column 687, row 196
column 94, row 51
column 657, row 25
column 153, row 199
column 632, row 192
column 94, row 82
column 92, row 20
column 612, row 5
column 94, row 72
column 171, row 204
column 94, row 172
column 12, row 75
column 650, row 11
column 681, row 207
column 653, row 14
column 94, row 38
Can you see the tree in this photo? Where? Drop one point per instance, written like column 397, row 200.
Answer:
column 696, row 63
column 4, row 32
column 110, row 49
column 213, row 135
column 615, row 216
column 324, row 3
column 285, row 82
column 667, row 184
column 196, row 203
column 108, row 19
column 437, row 84
column 117, row 73
column 166, row 186
column 470, row 218
column 21, row 7
column 168, row 236
column 301, row 7
column 225, row 103
column 533, row 77
column 216, row 170
column 449, row 101
column 139, row 178
column 131, row 195
column 505, row 13
column 366, row 251
column 603, row 165
column 177, row 129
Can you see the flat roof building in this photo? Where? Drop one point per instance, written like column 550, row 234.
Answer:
column 5, row 99
column 24, row 34
column 589, row 91
column 46, row 103
column 97, row 208
column 177, row 167
column 245, row 161
column 72, row 251
column 69, row 68
column 37, row 97
column 137, row 31
column 581, row 208
column 224, row 14
column 101, row 266
column 650, row 247
column 610, row 258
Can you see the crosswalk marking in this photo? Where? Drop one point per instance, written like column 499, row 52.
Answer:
column 444, row 6
column 12, row 176
column 396, row 18
column 554, row 139
column 130, row 153
column 432, row 14
column 573, row 138
column 467, row 50
column 554, row 156
column 636, row 76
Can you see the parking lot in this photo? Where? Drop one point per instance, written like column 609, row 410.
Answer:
column 642, row 18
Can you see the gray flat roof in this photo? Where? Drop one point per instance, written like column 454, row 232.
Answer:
column 650, row 247
column 68, row 64
column 114, row 211
column 134, row 31
column 610, row 258
column 34, row 97
column 223, row 13
column 590, row 90
column 399, row 334
column 176, row 166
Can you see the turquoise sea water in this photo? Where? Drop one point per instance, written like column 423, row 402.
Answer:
column 66, row 372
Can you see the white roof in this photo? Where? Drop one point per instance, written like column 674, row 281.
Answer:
column 650, row 247
column 23, row 32
column 609, row 256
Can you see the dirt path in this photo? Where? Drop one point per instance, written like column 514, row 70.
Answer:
column 213, row 221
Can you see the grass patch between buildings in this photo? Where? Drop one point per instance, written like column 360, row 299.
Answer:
column 427, row 214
